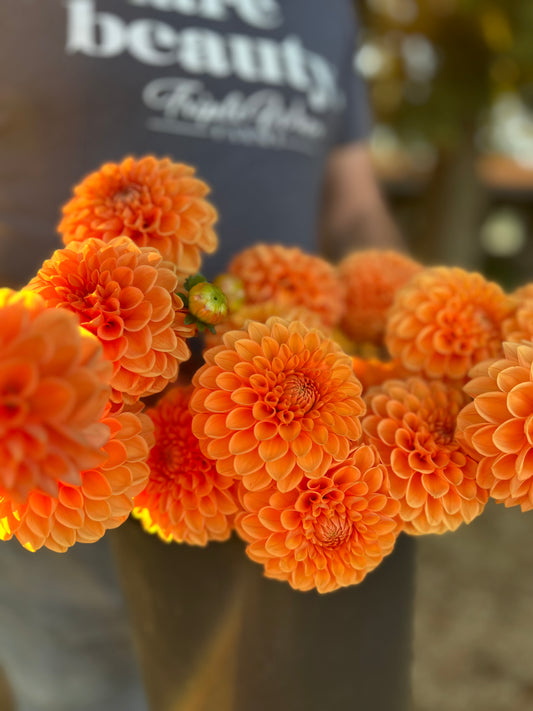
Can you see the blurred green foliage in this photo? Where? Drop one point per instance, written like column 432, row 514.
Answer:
column 436, row 66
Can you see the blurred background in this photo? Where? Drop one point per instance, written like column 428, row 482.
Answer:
column 451, row 84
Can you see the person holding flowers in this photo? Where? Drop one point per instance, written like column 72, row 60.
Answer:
column 258, row 100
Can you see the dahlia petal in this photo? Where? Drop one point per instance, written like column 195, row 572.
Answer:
column 244, row 396
column 520, row 400
column 415, row 494
column 482, row 440
column 484, row 475
column 32, row 541
column 265, row 430
column 214, row 426
column 240, row 418
column 435, row 485
column 387, row 430
column 95, row 486
column 119, row 478
column 69, row 496
column 97, row 510
column 242, row 442
column 312, row 460
column 226, row 381
column 139, row 343
column 272, row 449
column 524, row 464
column 290, row 520
column 63, row 535
column 218, row 401
column 492, row 407
column 247, row 463
column 166, row 341
column 270, row 518
column 399, row 461
column 255, row 481
column 291, row 431
column 509, row 436
column 510, row 377
column 289, row 481
column 504, row 467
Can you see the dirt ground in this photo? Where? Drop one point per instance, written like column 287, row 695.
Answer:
column 473, row 647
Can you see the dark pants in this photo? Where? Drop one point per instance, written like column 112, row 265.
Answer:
column 215, row 635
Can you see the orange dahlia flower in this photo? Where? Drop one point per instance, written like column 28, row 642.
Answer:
column 157, row 203
column 326, row 533
column 54, row 387
column 186, row 499
column 372, row 278
column 445, row 320
column 372, row 371
column 276, row 401
column 498, row 425
column 125, row 295
column 103, row 500
column 412, row 424
column 290, row 275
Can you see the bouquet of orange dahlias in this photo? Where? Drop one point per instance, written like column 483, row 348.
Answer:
column 335, row 407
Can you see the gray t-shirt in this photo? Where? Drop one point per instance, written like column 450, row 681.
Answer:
column 254, row 93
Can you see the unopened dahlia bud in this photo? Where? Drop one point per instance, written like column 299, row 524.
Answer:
column 208, row 303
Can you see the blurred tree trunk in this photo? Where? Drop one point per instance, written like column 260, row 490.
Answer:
column 454, row 206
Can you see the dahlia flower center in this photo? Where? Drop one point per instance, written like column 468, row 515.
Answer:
column 470, row 321
column 299, row 393
column 331, row 528
column 172, row 459
column 442, row 427
column 128, row 194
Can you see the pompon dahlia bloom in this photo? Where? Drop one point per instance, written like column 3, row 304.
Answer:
column 412, row 424
column 372, row 277
column 498, row 425
column 276, row 401
column 156, row 203
column 54, row 387
column 326, row 533
column 125, row 295
column 103, row 499
column 186, row 499
column 290, row 275
column 445, row 320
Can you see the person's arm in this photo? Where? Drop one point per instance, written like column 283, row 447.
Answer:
column 353, row 212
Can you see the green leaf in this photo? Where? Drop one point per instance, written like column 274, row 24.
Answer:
column 193, row 280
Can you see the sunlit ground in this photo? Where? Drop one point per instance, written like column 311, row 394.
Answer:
column 474, row 616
